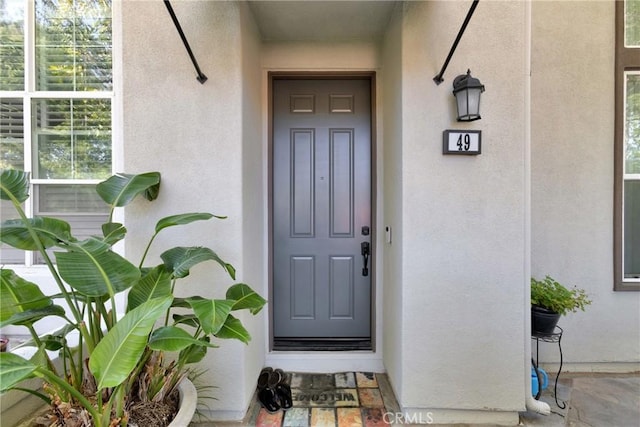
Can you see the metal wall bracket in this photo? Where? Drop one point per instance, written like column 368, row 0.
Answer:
column 201, row 77
column 438, row 79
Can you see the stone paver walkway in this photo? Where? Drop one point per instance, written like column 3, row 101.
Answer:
column 351, row 399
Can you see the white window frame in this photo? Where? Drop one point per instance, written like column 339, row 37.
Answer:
column 627, row 63
column 626, row 177
column 30, row 93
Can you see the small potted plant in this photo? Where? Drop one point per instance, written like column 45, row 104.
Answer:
column 550, row 300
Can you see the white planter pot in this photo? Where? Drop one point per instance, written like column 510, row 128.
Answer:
column 187, row 406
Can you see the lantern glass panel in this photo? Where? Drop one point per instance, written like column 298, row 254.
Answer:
column 462, row 100
column 474, row 101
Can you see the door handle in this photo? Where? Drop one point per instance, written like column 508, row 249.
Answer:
column 365, row 249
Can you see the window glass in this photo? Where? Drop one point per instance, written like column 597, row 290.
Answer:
column 79, row 205
column 73, row 45
column 632, row 23
column 8, row 254
column 11, row 157
column 54, row 199
column 12, row 45
column 11, row 133
column 632, row 229
column 72, row 138
column 632, row 124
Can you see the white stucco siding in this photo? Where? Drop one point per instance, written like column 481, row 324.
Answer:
column 320, row 56
column 193, row 135
column 188, row 131
column 452, row 286
column 572, row 178
column 463, row 217
column 254, row 191
column 391, row 172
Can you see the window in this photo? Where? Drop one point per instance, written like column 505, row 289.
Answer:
column 56, row 96
column 627, row 147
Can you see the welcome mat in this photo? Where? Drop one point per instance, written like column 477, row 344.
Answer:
column 342, row 390
column 339, row 380
column 349, row 399
column 334, row 398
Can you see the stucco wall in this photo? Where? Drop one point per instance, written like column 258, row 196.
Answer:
column 452, row 286
column 254, row 191
column 192, row 134
column 464, row 219
column 572, row 178
column 391, row 167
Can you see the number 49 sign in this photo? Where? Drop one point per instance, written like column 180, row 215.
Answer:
column 461, row 142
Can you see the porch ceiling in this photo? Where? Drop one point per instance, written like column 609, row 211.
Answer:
column 331, row 21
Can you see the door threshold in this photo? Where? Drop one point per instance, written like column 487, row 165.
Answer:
column 307, row 344
column 325, row 361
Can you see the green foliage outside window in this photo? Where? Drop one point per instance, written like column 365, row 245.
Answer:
column 73, row 45
column 632, row 23
column 11, row 45
column 632, row 120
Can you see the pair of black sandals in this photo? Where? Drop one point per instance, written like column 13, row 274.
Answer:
column 273, row 391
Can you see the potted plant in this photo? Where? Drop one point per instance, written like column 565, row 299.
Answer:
column 119, row 360
column 550, row 300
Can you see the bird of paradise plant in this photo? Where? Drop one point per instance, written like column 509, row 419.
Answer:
column 120, row 349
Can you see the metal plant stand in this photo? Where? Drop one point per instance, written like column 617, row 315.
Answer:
column 555, row 337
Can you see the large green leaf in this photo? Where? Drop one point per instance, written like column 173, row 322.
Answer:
column 40, row 358
column 22, row 302
column 212, row 313
column 245, row 298
column 29, row 317
column 188, row 319
column 121, row 189
column 113, row 232
column 54, row 341
column 181, row 302
column 18, row 295
column 172, row 338
column 93, row 269
column 156, row 283
column 15, row 369
column 179, row 260
column 233, row 328
column 183, row 219
column 196, row 352
column 14, row 185
column 50, row 231
column 119, row 351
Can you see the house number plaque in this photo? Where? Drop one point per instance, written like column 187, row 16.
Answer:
column 461, row 142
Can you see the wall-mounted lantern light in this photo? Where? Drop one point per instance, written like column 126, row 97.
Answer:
column 467, row 90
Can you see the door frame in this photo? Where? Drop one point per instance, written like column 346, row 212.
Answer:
column 337, row 75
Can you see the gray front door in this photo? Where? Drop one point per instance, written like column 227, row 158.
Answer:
column 321, row 209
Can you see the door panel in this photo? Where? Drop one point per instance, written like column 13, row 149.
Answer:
column 321, row 202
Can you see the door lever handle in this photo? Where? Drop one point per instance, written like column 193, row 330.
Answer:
column 365, row 249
